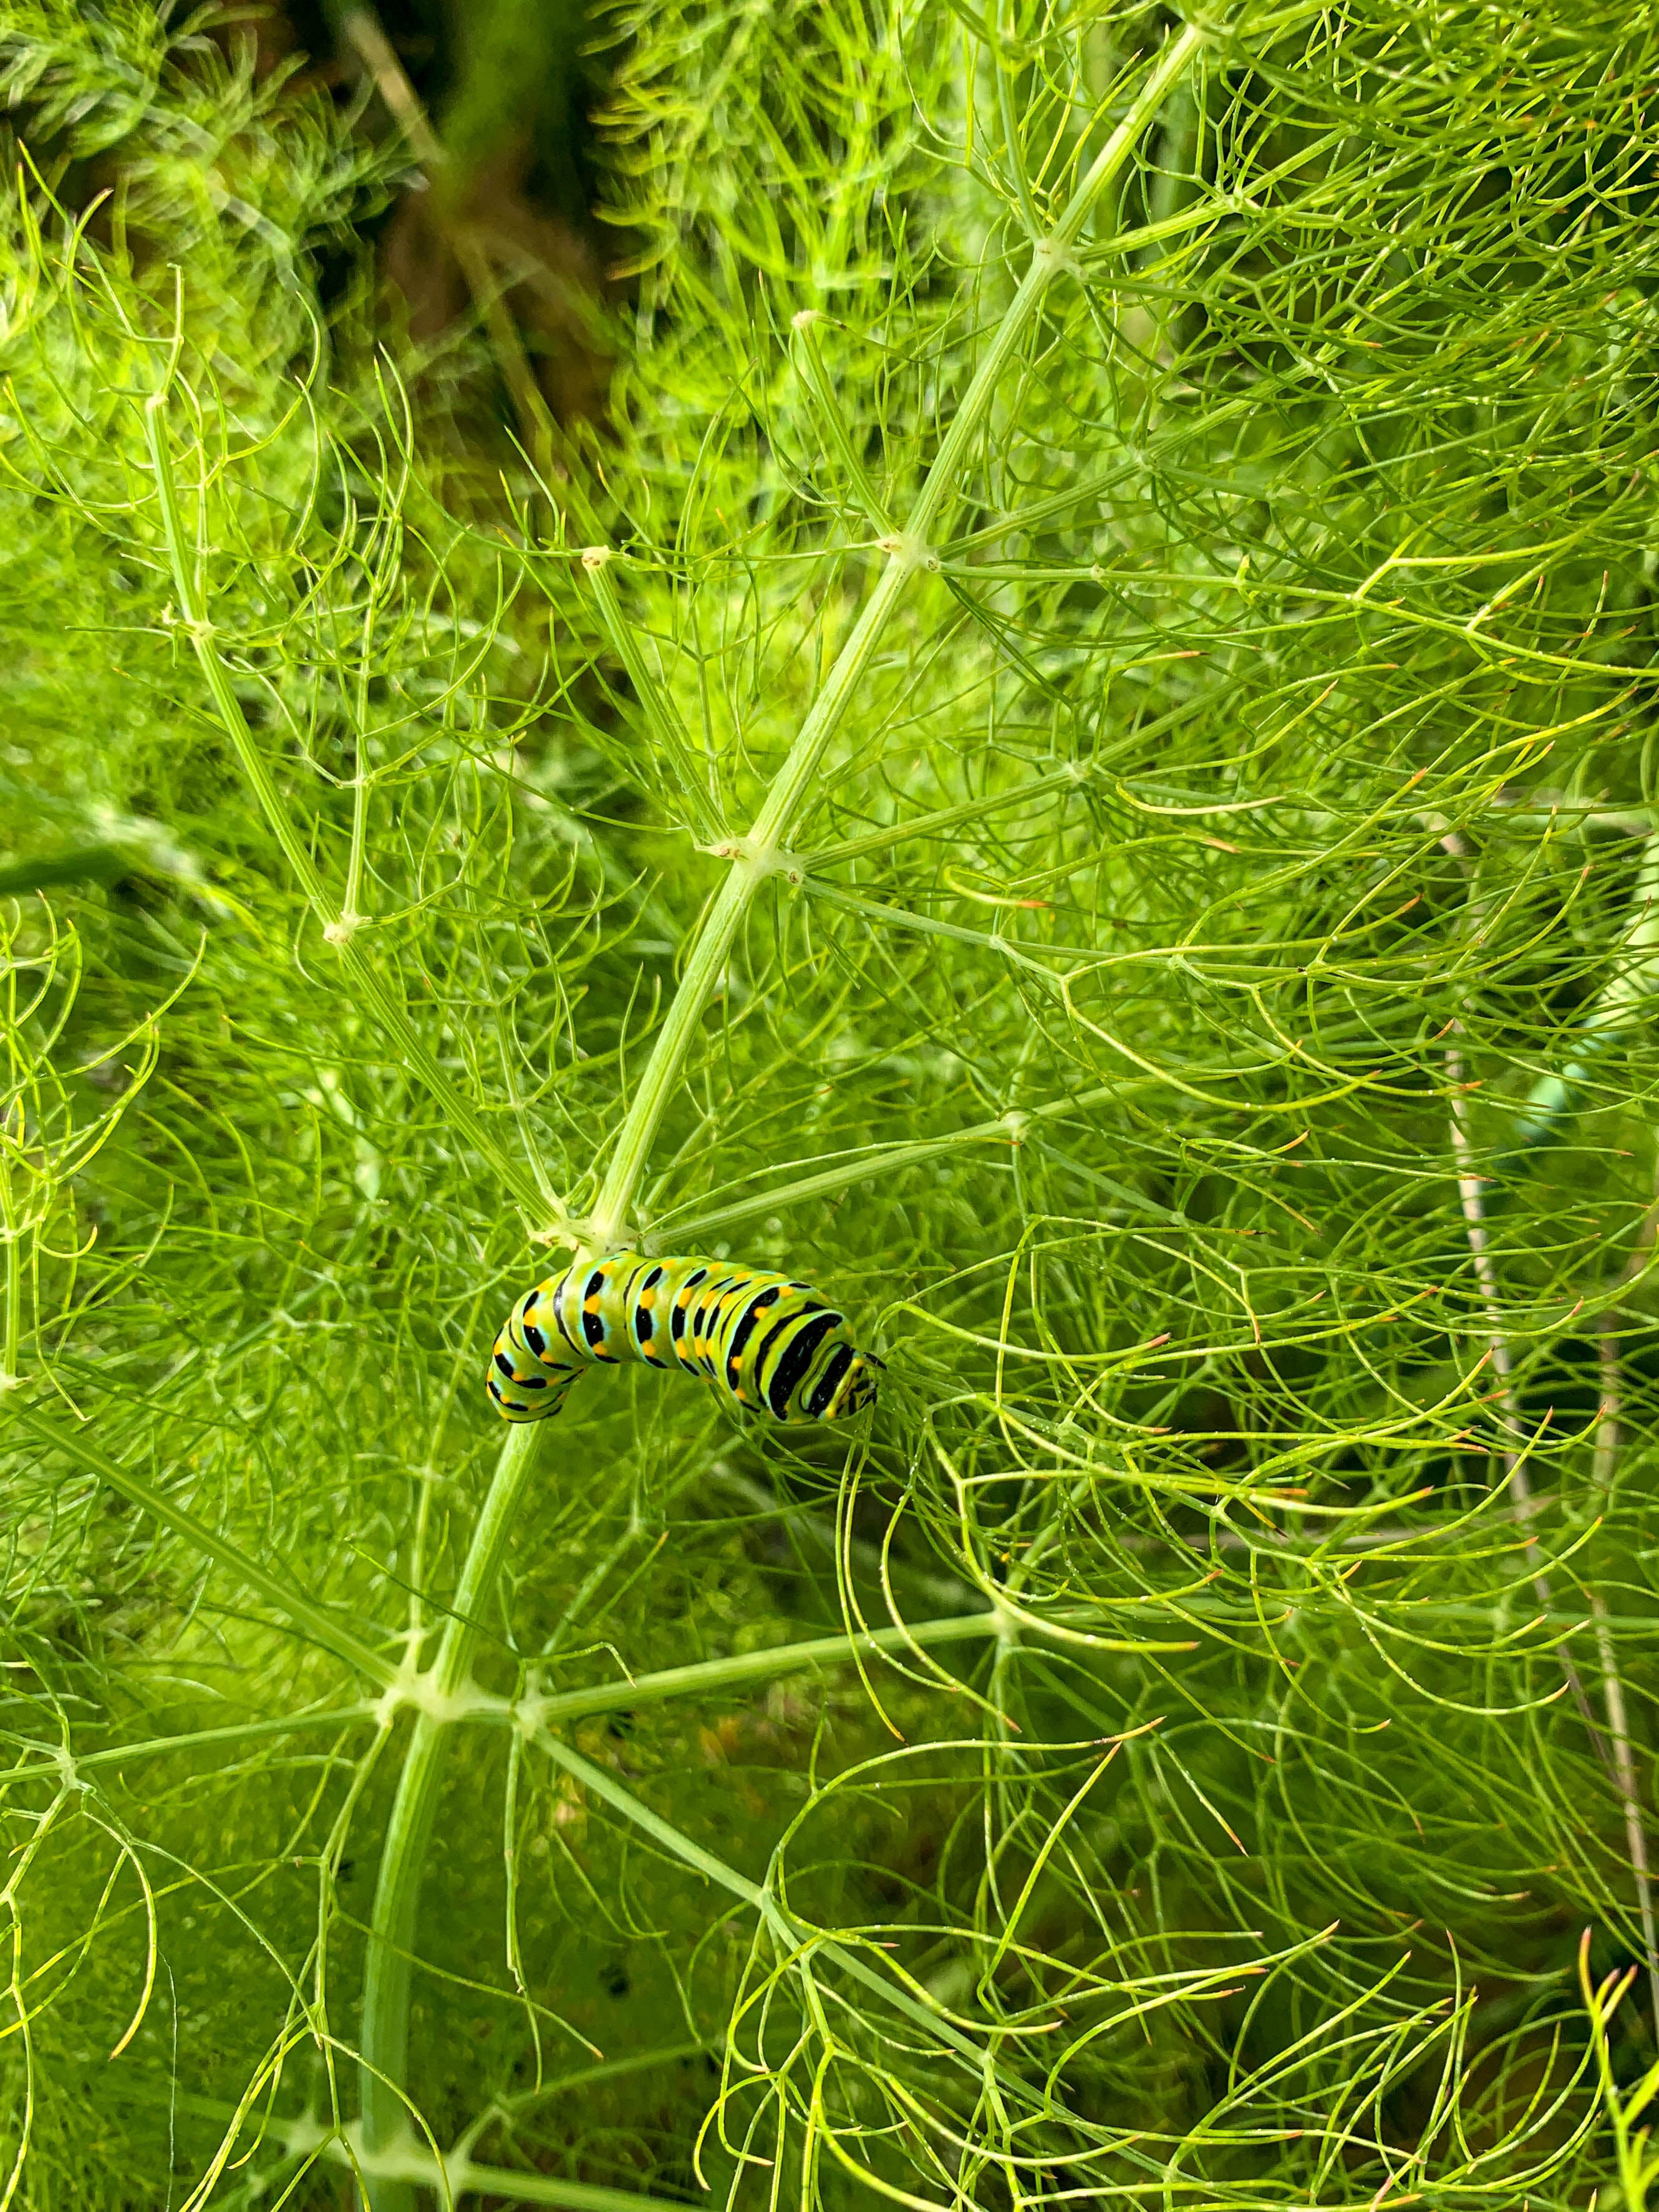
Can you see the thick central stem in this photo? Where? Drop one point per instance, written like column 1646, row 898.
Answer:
column 771, row 825
column 385, row 2034
column 384, row 2043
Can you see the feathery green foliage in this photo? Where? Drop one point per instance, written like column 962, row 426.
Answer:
column 1078, row 769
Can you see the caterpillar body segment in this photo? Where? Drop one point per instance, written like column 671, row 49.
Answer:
column 767, row 1341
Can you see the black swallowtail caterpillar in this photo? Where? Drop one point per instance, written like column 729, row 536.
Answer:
column 767, row 1341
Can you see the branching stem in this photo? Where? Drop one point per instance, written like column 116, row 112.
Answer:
column 773, row 1663
column 771, row 828
column 385, row 2040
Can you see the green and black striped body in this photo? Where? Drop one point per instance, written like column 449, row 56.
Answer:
column 767, row 1341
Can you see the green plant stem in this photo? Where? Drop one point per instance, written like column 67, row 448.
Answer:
column 1490, row 651
column 219, row 1739
column 1012, row 153
column 385, row 2034
column 750, row 864
column 414, row 2168
column 752, row 859
column 384, row 2042
column 925, row 925
column 305, row 2140
column 304, row 1612
column 1071, row 777
column 372, row 995
column 767, row 1665
column 1010, row 1128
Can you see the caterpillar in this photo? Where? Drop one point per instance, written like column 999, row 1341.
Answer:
column 767, row 1341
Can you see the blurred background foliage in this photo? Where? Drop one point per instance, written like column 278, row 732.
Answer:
column 1197, row 1019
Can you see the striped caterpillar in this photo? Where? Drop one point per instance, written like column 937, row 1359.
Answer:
column 766, row 1340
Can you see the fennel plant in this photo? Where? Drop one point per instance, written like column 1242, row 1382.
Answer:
column 1075, row 765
